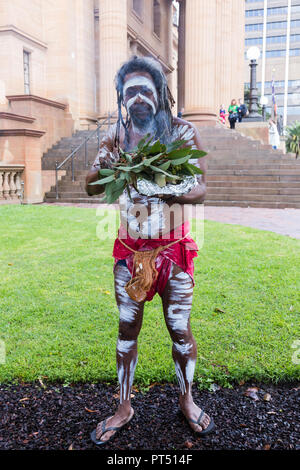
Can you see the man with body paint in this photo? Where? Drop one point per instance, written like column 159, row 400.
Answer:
column 142, row 89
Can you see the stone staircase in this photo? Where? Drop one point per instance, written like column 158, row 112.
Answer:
column 241, row 171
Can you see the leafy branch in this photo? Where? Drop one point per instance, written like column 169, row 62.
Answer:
column 150, row 160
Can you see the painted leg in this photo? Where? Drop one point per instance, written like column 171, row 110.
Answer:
column 131, row 316
column 177, row 302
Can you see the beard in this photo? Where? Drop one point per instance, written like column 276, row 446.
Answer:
column 145, row 122
column 142, row 116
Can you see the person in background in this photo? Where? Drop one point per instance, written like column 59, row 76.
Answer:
column 242, row 110
column 233, row 113
column 280, row 125
column 222, row 114
column 274, row 138
column 180, row 113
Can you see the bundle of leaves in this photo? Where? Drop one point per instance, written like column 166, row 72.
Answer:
column 150, row 160
column 293, row 138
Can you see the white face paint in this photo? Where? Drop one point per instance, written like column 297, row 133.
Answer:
column 140, row 80
column 145, row 82
column 143, row 98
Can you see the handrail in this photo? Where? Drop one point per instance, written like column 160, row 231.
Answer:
column 74, row 152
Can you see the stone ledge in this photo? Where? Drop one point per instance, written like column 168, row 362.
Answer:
column 16, row 117
column 21, row 132
column 11, row 166
column 38, row 99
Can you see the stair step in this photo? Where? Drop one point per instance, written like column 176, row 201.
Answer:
column 267, row 172
column 263, row 166
column 74, row 200
column 250, row 190
column 254, row 183
column 255, row 197
column 249, row 203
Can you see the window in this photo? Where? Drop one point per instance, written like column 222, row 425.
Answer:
column 137, row 6
column 253, row 41
column 156, row 17
column 282, row 52
column 254, row 27
column 26, row 62
column 271, row 11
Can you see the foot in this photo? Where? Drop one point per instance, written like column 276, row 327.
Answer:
column 119, row 419
column 192, row 411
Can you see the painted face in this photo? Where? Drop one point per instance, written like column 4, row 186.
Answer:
column 140, row 98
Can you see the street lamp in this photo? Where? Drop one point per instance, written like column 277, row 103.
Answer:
column 253, row 55
column 264, row 102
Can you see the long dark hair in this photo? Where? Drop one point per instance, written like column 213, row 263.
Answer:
column 163, row 116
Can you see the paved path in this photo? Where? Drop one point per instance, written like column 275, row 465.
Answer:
column 282, row 221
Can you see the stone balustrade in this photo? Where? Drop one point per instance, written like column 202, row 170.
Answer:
column 10, row 183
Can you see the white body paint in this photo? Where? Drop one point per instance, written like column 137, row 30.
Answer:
column 134, row 215
column 183, row 348
column 125, row 346
column 125, row 377
column 128, row 308
column 140, row 80
column 180, row 378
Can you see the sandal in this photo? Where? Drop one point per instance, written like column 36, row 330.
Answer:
column 98, row 442
column 210, row 428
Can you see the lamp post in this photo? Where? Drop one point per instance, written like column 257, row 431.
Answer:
column 264, row 102
column 253, row 55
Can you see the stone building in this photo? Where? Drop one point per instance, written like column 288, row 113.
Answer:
column 268, row 24
column 58, row 60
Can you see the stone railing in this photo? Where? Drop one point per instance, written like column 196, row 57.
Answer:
column 10, row 183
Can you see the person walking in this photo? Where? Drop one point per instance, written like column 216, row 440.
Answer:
column 233, row 113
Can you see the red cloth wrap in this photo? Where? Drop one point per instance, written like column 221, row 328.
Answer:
column 181, row 253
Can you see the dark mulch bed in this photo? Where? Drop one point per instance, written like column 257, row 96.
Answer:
column 61, row 417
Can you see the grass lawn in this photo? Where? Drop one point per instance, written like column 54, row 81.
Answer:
column 59, row 320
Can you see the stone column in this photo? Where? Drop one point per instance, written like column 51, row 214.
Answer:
column 237, row 46
column 214, row 59
column 112, row 50
column 200, row 59
column 181, row 56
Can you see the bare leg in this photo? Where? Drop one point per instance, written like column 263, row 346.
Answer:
column 177, row 302
column 131, row 316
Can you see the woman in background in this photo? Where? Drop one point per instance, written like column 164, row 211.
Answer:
column 274, row 138
column 233, row 113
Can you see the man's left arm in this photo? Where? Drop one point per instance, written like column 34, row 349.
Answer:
column 197, row 194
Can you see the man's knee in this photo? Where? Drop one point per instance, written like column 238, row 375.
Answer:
column 129, row 331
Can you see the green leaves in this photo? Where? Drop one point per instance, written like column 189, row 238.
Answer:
column 151, row 160
column 106, row 180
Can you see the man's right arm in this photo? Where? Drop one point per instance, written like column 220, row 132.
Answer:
column 93, row 175
column 106, row 157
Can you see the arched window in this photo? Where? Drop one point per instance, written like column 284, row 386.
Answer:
column 156, row 17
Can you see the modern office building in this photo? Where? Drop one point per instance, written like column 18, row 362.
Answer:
column 274, row 27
